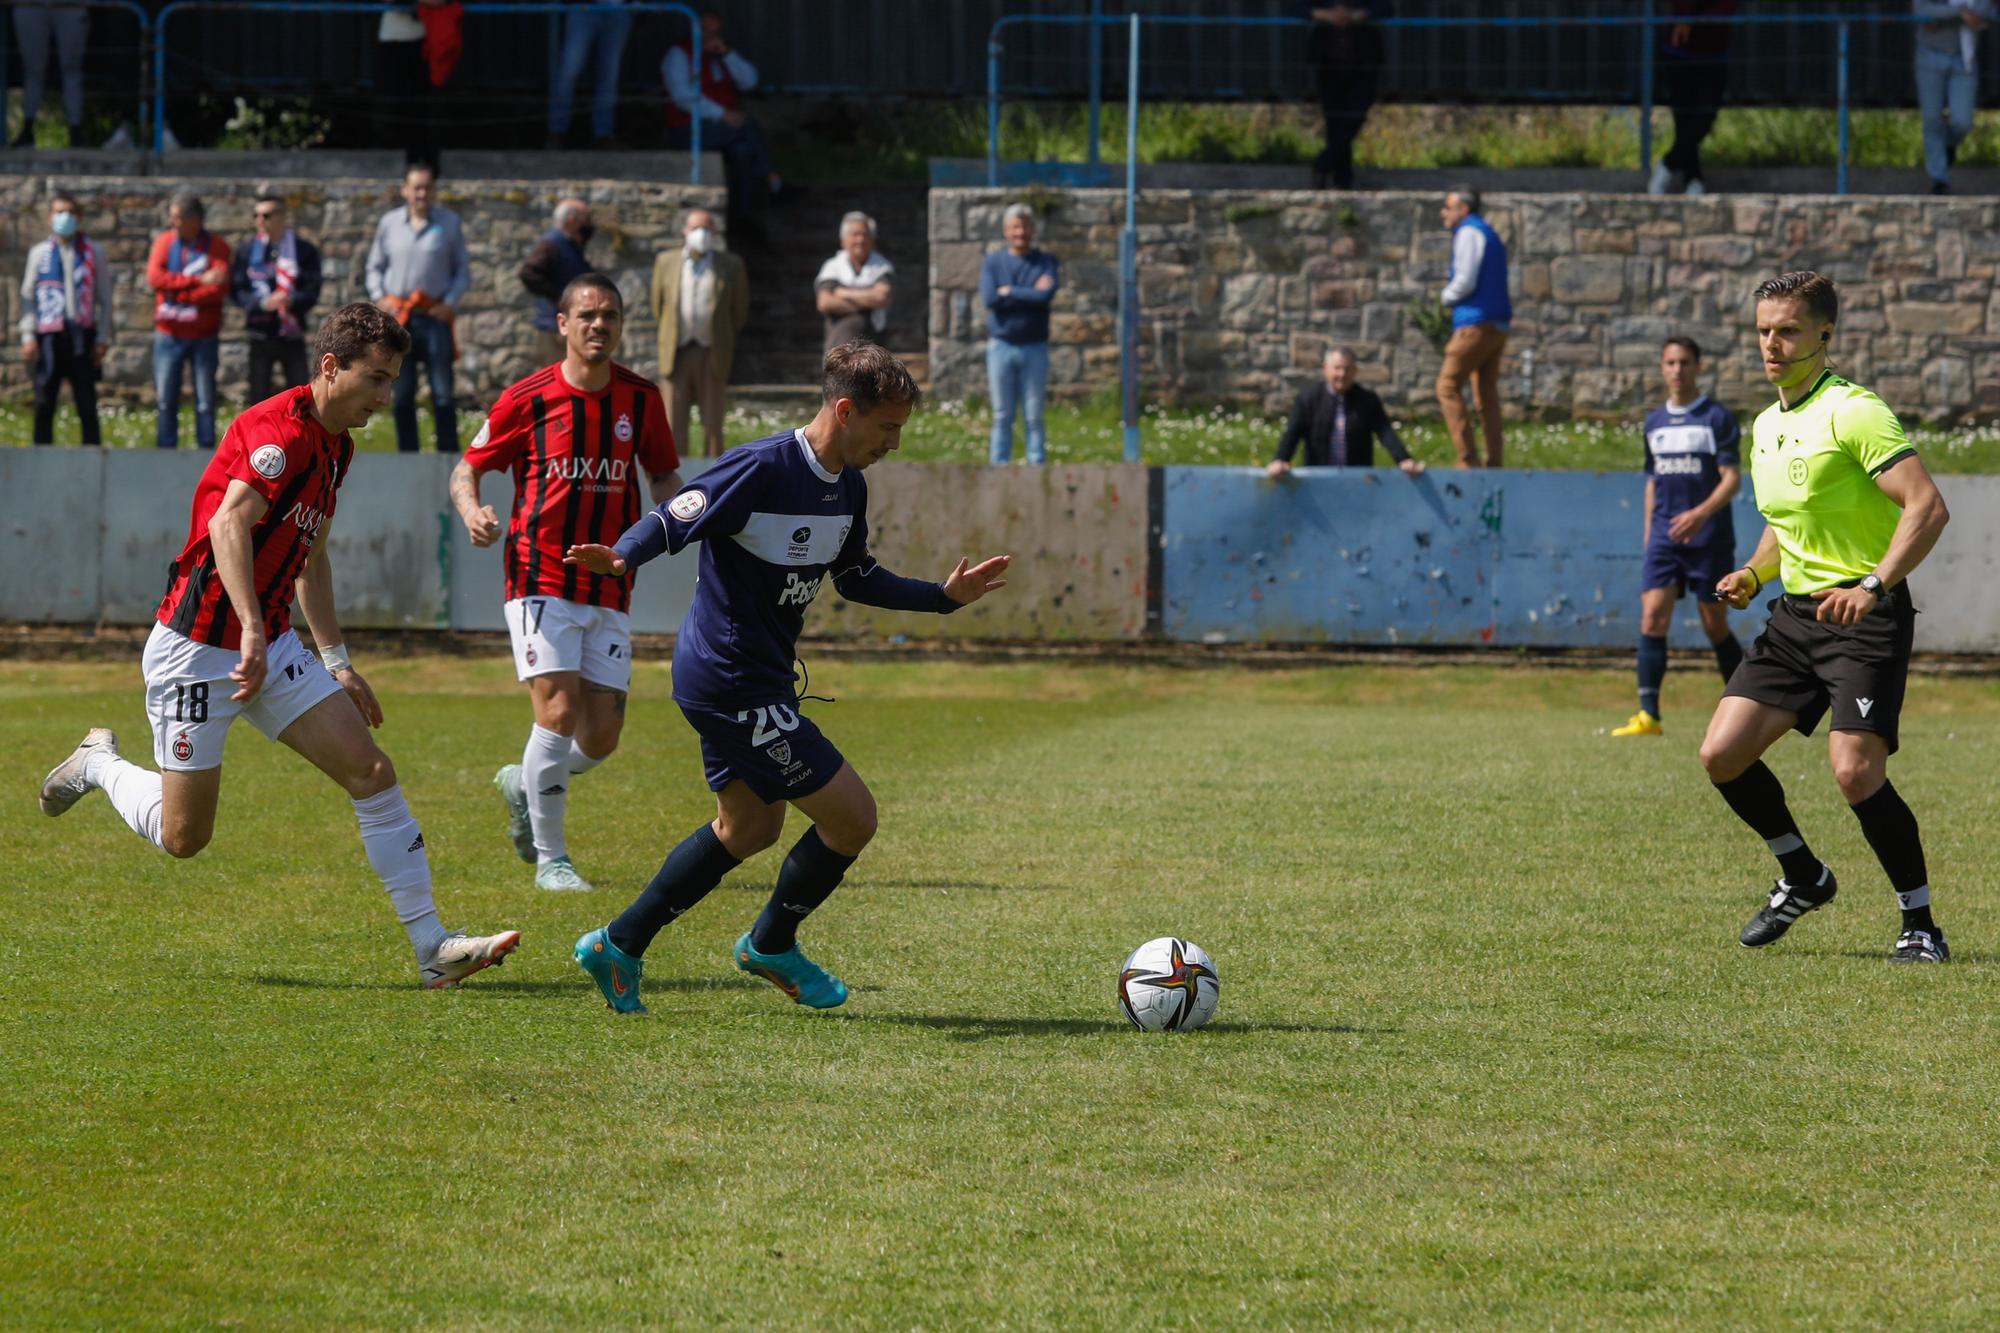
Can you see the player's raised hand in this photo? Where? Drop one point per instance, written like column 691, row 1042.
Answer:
column 364, row 698
column 966, row 586
column 483, row 526
column 601, row 559
column 250, row 668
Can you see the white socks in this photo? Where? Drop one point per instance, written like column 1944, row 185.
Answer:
column 395, row 848
column 134, row 792
column 545, row 772
column 579, row 762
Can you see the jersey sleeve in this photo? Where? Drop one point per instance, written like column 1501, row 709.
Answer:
column 269, row 457
column 502, row 438
column 1869, row 433
column 1728, row 439
column 658, row 451
column 718, row 503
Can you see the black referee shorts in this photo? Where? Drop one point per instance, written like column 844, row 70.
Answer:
column 1807, row 665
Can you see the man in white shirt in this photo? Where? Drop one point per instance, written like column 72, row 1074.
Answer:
column 701, row 300
column 714, row 92
column 853, row 287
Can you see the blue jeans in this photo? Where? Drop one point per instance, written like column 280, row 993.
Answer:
column 582, row 32
column 430, row 346
column 1019, row 376
column 169, row 355
column 745, row 159
column 1943, row 81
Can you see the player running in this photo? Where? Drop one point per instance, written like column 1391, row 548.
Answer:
column 575, row 435
column 774, row 518
column 1851, row 511
column 1691, row 476
column 262, row 511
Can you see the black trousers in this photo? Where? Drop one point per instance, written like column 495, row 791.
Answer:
column 405, row 102
column 288, row 354
column 62, row 358
column 1345, row 95
column 1693, row 88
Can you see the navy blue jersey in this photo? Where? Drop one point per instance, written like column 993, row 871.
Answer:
column 1686, row 450
column 772, row 523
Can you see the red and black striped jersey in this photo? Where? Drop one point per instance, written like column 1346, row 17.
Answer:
column 281, row 451
column 577, row 459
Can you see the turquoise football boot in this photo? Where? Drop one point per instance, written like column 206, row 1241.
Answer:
column 615, row 971
column 793, row 973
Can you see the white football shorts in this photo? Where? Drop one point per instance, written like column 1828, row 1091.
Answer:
column 188, row 689
column 555, row 634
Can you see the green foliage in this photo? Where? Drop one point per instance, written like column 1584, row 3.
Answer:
column 1488, row 1054
column 274, row 124
column 1249, row 211
column 1431, row 321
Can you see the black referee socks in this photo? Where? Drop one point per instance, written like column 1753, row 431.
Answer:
column 1758, row 799
column 1891, row 829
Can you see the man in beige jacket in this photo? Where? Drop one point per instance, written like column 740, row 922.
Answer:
column 701, row 300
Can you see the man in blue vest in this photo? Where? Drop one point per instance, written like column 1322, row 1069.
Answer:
column 1476, row 291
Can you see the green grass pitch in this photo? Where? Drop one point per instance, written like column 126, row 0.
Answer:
column 1487, row 1054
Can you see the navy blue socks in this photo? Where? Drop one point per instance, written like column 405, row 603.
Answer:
column 684, row 879
column 1652, row 670
column 812, row 871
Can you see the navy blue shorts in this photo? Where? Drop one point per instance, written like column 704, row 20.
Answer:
column 773, row 747
column 1697, row 569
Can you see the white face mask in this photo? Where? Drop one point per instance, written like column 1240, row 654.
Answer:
column 700, row 241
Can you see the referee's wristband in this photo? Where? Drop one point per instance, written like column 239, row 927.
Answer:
column 1755, row 575
column 336, row 659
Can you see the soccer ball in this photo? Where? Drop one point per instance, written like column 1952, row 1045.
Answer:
column 1168, row 985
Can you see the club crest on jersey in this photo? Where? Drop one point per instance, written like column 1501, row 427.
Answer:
column 1795, row 472
column 184, row 748
column 781, row 753
column 622, row 428
column 268, row 461
column 801, row 546
column 687, row 506
column 798, row 591
column 530, row 655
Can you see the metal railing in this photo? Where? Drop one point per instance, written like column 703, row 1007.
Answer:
column 145, row 21
column 1647, row 19
column 550, row 8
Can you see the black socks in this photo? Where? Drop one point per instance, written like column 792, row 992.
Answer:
column 810, row 874
column 1891, row 829
column 1758, row 799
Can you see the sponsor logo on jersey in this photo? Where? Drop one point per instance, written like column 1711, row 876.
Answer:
column 801, row 545
column 687, row 506
column 268, row 461
column 622, row 428
column 798, row 591
column 585, row 469
column 306, row 518
column 184, row 748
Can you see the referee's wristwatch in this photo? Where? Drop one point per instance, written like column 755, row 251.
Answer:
column 1872, row 585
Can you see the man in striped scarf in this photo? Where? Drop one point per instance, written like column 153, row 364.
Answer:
column 65, row 319
column 275, row 277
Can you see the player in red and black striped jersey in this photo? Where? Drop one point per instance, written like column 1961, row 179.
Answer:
column 575, row 436
column 256, row 540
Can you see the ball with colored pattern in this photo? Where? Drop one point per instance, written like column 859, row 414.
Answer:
column 1168, row 985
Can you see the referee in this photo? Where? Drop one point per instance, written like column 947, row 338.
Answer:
column 1850, row 511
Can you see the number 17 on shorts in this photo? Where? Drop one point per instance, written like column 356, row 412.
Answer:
column 555, row 634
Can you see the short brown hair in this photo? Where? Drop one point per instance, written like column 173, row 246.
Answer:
column 1815, row 289
column 867, row 375
column 583, row 282
column 350, row 331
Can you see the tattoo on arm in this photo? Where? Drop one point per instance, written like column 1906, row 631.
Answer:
column 464, row 487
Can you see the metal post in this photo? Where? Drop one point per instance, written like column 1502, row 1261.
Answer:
column 993, row 108
column 1647, row 35
column 1840, row 172
column 1128, row 256
column 1096, row 74
column 160, row 78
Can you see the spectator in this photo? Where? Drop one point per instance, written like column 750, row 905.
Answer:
column 717, row 94
column 853, row 287
column 35, row 21
column 1694, row 71
column 405, row 105
column 1345, row 49
column 418, row 271
column 1338, row 422
column 1017, row 284
column 65, row 320
column 555, row 261
column 1947, row 78
column 189, row 273
column 701, row 300
column 275, row 278
column 1480, row 312
column 589, row 30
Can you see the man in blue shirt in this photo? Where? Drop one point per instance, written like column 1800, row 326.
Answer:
column 1480, row 313
column 419, row 270
column 774, row 519
column 1017, row 285
column 1691, row 476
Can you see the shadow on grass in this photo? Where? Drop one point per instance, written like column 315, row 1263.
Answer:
column 974, row 1027
column 510, row 985
column 949, row 885
column 1959, row 958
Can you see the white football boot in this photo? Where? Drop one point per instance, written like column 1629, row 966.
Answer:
column 66, row 784
column 461, row 955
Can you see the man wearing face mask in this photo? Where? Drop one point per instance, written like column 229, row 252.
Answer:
column 552, row 265
column 701, row 300
column 65, row 320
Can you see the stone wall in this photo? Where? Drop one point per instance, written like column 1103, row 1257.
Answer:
column 502, row 219
column 1242, row 292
